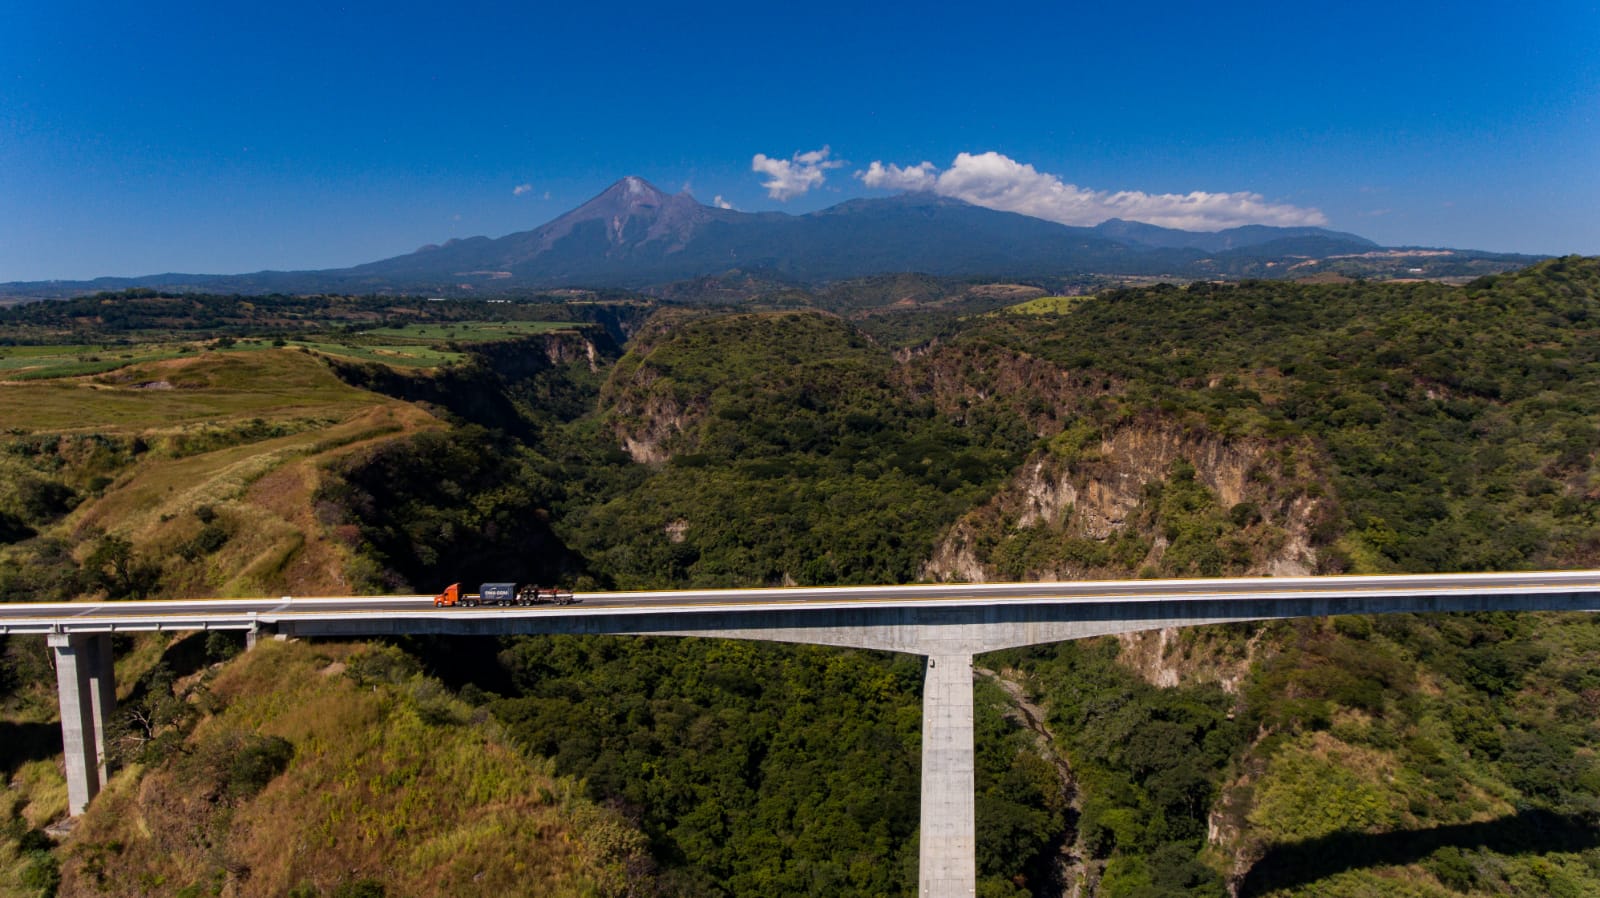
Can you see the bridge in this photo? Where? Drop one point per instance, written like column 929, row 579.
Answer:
column 946, row 623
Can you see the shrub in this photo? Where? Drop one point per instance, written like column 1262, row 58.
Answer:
column 222, row 645
column 360, row 888
column 43, row 873
column 210, row 538
column 382, row 665
column 1453, row 870
column 259, row 760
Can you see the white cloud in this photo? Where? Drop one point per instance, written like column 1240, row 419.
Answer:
column 789, row 178
column 721, row 203
column 892, row 177
column 520, row 189
column 995, row 181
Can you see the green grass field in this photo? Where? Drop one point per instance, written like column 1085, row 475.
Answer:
column 411, row 346
column 469, row 331
column 156, row 392
column 400, row 355
column 1045, row 305
column 35, row 362
column 423, row 345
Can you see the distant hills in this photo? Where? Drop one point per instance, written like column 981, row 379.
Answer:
column 635, row 236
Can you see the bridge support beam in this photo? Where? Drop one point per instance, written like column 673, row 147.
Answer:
column 86, row 683
column 949, row 841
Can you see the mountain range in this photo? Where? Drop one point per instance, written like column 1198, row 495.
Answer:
column 635, row 236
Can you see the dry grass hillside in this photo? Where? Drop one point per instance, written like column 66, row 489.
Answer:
column 314, row 768
column 204, row 464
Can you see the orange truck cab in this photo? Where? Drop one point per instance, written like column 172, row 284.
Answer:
column 449, row 598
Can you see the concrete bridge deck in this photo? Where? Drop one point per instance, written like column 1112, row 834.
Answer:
column 946, row 623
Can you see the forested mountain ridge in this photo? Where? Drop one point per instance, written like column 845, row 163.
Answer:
column 1212, row 429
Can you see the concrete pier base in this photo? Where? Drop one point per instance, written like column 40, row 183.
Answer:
column 949, row 841
column 86, row 680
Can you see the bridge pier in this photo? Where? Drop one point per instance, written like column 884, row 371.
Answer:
column 86, row 684
column 949, row 841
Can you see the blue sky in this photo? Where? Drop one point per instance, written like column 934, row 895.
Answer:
column 222, row 138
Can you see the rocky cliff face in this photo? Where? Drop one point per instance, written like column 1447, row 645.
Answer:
column 564, row 349
column 648, row 426
column 647, row 411
column 1102, row 488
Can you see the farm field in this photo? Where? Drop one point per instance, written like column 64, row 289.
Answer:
column 176, row 392
column 1044, row 305
column 74, row 360
column 399, row 355
column 470, row 331
column 406, row 346
column 423, row 345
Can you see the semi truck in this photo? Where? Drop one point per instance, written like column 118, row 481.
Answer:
column 503, row 595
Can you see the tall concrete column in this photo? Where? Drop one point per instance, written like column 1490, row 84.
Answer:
column 949, row 842
column 102, row 695
column 86, row 684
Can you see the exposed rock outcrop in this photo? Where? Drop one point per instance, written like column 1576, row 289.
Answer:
column 649, row 416
column 1099, row 488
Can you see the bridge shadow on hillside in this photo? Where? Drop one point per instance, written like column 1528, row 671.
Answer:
column 185, row 656
column 24, row 742
column 192, row 652
column 1528, row 832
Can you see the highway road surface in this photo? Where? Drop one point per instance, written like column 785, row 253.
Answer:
column 1352, row 593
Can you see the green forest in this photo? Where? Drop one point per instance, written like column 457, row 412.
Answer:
column 845, row 438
